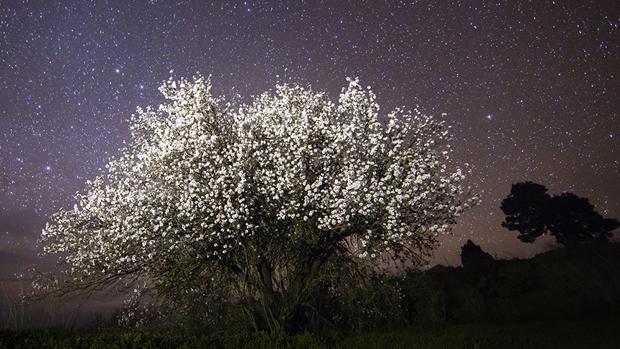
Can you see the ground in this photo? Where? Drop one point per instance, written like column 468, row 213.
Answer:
column 587, row 333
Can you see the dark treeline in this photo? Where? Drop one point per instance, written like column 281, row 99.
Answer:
column 569, row 283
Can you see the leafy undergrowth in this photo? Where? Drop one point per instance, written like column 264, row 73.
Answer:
column 599, row 333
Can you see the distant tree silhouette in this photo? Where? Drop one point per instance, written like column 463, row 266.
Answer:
column 525, row 210
column 474, row 258
column 569, row 218
column 572, row 219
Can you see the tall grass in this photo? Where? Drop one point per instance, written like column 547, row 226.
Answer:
column 599, row 333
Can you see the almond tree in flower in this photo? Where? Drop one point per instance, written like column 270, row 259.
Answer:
column 253, row 204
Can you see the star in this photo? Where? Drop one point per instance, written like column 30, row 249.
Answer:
column 71, row 81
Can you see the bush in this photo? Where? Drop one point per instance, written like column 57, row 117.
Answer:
column 424, row 299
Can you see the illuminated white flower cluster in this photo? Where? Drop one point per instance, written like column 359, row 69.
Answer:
column 203, row 175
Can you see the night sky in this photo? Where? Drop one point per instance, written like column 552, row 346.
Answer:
column 530, row 88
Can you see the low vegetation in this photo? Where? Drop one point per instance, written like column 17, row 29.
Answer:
column 565, row 298
column 600, row 333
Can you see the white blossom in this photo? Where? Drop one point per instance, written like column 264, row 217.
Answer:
column 202, row 175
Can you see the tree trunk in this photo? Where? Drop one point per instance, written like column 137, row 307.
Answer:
column 283, row 310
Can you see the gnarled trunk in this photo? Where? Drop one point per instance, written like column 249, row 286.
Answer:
column 282, row 309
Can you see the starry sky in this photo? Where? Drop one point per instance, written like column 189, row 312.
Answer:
column 530, row 89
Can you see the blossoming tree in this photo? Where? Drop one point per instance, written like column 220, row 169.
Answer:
column 255, row 201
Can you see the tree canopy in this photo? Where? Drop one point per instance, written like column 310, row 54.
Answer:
column 569, row 218
column 253, row 203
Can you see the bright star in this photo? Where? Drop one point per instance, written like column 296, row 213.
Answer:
column 47, row 168
column 489, row 117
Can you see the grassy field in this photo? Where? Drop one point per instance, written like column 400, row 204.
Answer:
column 590, row 334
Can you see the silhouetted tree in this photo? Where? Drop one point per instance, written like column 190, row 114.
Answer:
column 569, row 218
column 572, row 219
column 474, row 258
column 524, row 208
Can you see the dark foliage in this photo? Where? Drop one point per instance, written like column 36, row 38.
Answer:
column 569, row 218
column 572, row 219
column 574, row 283
column 524, row 208
column 475, row 259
